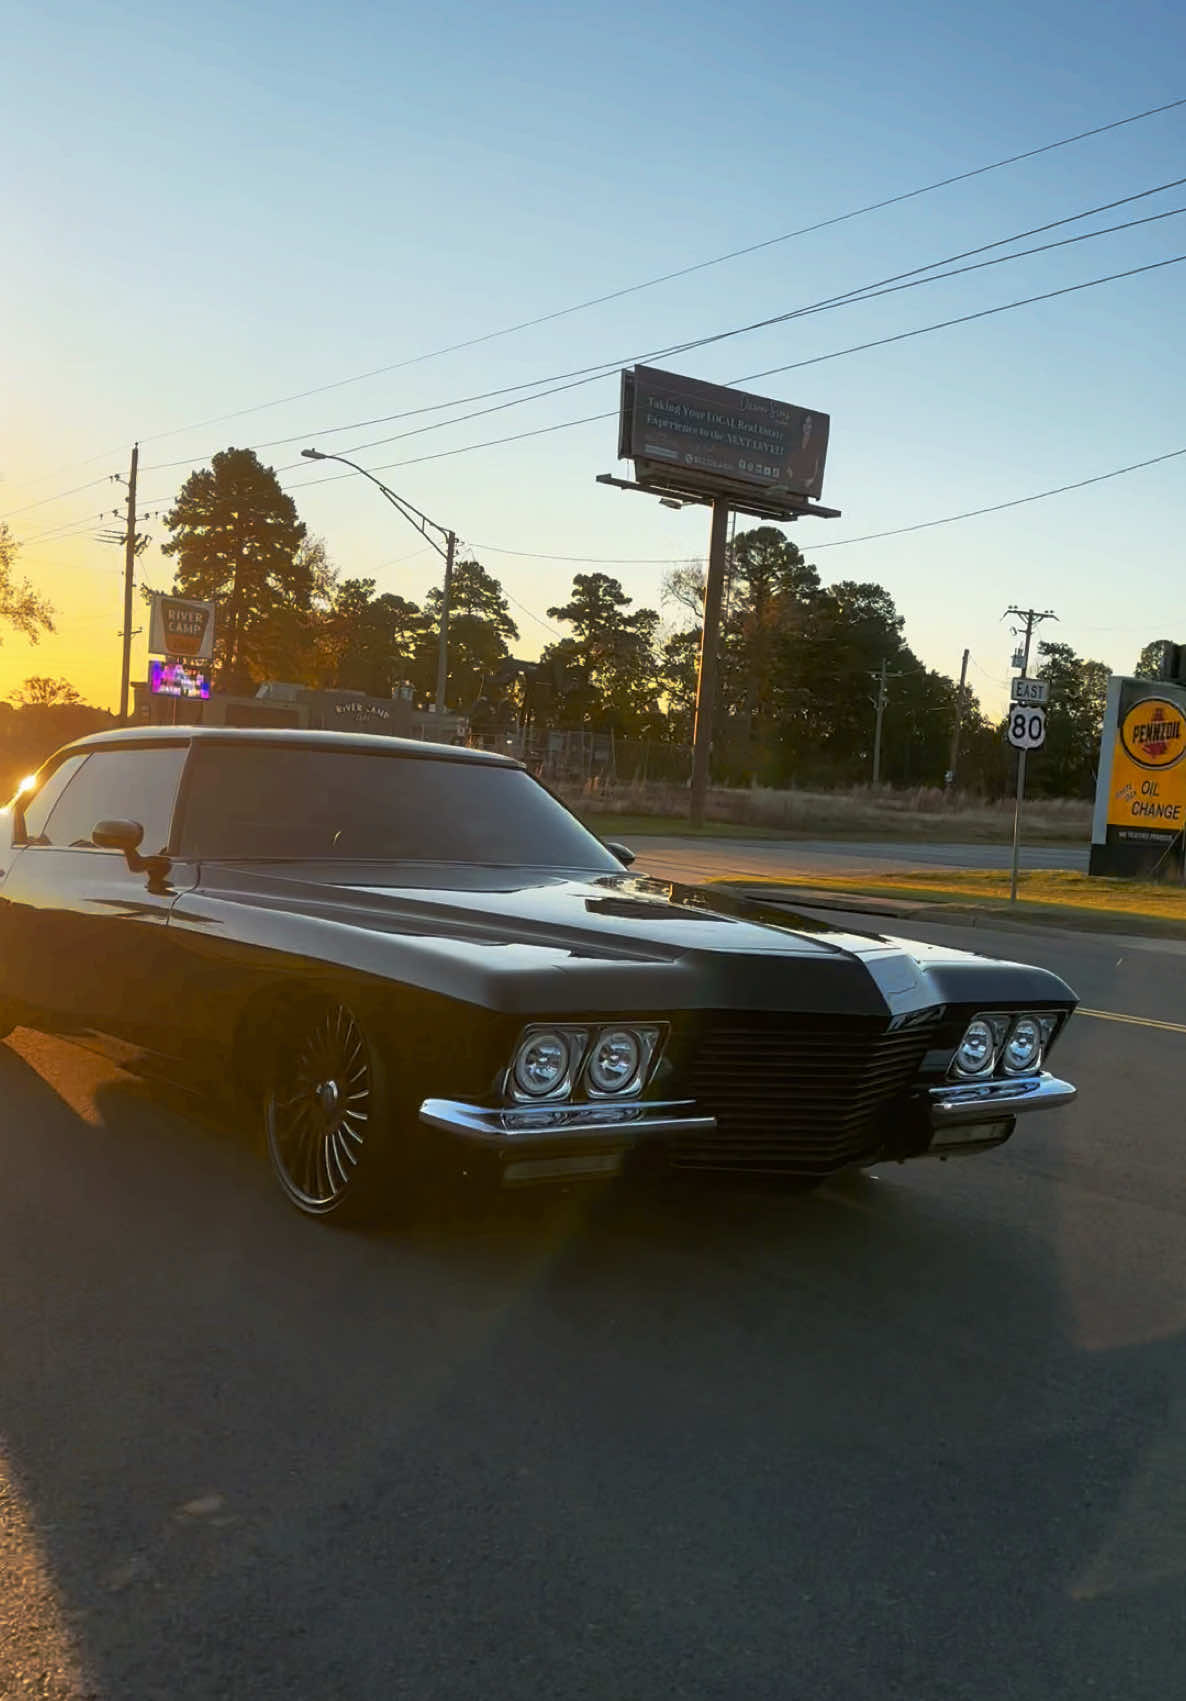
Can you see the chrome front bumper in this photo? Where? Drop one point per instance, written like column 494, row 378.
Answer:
column 955, row 1106
column 535, row 1126
column 951, row 1117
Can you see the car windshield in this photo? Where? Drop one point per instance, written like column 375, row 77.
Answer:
column 270, row 802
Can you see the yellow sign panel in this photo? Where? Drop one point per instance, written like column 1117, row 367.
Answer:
column 1148, row 785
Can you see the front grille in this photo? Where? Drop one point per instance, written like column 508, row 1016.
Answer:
column 798, row 1095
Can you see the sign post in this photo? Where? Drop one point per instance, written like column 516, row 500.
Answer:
column 706, row 689
column 1026, row 731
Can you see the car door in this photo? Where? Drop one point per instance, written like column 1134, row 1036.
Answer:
column 81, row 932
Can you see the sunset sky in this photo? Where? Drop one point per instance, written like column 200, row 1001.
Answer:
column 215, row 221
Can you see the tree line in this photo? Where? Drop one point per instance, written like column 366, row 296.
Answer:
column 799, row 661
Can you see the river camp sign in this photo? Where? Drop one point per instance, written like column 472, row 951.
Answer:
column 179, row 627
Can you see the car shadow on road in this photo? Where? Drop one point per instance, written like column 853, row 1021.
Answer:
column 714, row 1442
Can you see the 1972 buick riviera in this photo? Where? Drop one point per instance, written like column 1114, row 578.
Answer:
column 401, row 954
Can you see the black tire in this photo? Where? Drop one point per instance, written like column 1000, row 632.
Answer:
column 327, row 1116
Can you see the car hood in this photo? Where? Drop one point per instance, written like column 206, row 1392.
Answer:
column 587, row 940
column 590, row 914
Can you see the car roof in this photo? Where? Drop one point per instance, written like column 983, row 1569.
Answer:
column 290, row 738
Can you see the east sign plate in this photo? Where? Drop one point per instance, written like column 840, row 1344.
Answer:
column 1029, row 690
column 1027, row 727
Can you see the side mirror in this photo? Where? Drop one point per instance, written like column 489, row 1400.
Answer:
column 623, row 852
column 118, row 835
column 126, row 836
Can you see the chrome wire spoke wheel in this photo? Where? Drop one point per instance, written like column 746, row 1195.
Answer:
column 321, row 1109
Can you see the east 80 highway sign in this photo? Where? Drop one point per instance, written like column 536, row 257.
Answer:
column 1027, row 728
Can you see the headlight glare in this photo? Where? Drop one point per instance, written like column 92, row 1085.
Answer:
column 542, row 1063
column 1023, row 1048
column 614, row 1061
column 977, row 1051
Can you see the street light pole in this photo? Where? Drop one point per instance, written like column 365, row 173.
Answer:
column 446, row 550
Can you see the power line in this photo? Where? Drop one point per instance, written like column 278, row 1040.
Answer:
column 684, row 271
column 523, row 608
column 769, row 372
column 588, row 560
column 962, row 319
column 998, row 507
column 577, row 377
column 651, row 283
column 61, row 495
column 843, row 543
column 854, row 299
column 67, row 528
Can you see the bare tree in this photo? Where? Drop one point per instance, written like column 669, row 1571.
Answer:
column 20, row 605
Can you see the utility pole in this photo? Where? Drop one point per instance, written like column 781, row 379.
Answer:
column 443, row 646
column 1031, row 617
column 879, row 703
column 129, row 576
column 706, row 687
column 959, row 720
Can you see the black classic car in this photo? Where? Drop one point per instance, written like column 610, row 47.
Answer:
column 400, row 954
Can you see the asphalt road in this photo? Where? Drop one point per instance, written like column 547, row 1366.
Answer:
column 918, row 1436
column 697, row 859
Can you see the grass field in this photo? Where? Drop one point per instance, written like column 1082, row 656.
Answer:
column 1046, row 894
column 643, row 826
column 922, row 814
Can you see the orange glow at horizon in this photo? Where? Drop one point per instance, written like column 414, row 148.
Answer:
column 83, row 581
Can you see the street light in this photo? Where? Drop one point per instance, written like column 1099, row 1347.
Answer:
column 446, row 550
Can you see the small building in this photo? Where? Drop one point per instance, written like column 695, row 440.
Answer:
column 278, row 703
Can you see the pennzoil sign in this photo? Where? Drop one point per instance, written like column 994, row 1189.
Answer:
column 1153, row 733
column 1139, row 825
column 180, row 627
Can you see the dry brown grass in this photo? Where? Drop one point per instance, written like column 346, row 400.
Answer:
column 924, row 812
column 1044, row 894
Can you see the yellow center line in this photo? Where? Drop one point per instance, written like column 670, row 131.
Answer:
column 1137, row 1021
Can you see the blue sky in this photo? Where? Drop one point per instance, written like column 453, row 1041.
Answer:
column 207, row 211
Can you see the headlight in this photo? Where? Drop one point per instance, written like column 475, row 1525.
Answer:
column 542, row 1064
column 977, row 1053
column 614, row 1061
column 1023, row 1048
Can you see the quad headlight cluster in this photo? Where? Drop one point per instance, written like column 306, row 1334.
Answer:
column 554, row 1062
column 1002, row 1044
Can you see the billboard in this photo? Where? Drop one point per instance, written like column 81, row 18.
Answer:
column 179, row 627
column 1140, row 806
column 681, row 431
column 178, row 679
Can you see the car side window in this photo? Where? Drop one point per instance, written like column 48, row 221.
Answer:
column 35, row 813
column 132, row 783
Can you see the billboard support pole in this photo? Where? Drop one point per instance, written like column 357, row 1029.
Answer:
column 706, row 684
